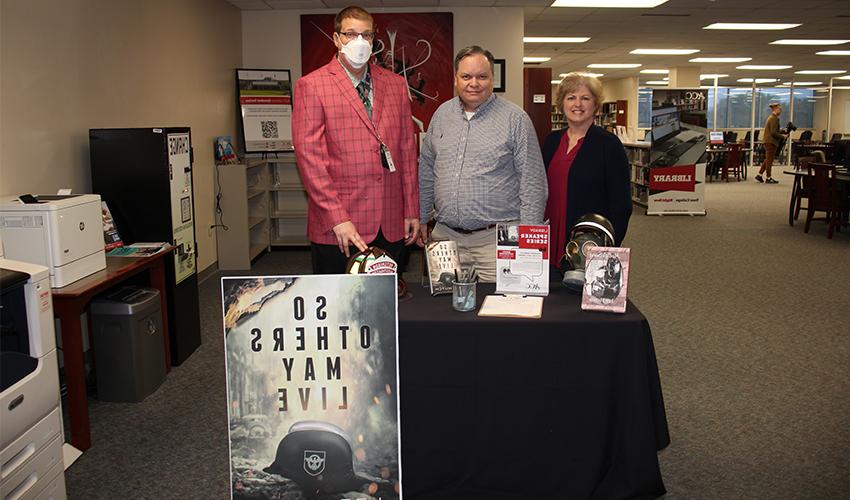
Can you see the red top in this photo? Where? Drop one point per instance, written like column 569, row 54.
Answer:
column 558, row 176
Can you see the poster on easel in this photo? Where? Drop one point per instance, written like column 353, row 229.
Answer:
column 677, row 154
column 265, row 104
column 312, row 386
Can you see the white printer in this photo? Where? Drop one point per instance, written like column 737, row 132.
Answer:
column 31, row 461
column 61, row 232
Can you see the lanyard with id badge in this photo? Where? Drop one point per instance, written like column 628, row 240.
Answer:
column 386, row 156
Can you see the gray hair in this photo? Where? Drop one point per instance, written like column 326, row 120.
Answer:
column 471, row 51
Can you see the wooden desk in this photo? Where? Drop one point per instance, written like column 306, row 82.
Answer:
column 70, row 301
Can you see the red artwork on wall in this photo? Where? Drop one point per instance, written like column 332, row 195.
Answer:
column 418, row 46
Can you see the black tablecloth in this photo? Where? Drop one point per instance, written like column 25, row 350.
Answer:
column 567, row 406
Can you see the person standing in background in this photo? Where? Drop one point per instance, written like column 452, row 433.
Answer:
column 480, row 164
column 772, row 139
column 353, row 134
column 586, row 166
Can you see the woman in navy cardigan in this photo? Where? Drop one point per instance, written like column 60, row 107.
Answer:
column 586, row 166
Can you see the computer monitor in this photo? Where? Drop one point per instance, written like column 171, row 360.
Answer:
column 715, row 137
column 665, row 122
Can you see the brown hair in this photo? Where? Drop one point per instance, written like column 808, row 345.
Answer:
column 352, row 12
column 471, row 51
column 573, row 81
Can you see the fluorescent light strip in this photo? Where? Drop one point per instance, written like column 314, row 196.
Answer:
column 798, row 84
column 535, row 59
column 807, row 42
column 594, row 4
column 749, row 26
column 820, row 72
column 758, row 80
column 833, row 53
column 764, row 67
column 711, row 76
column 664, row 52
column 555, row 39
column 556, row 82
column 657, row 82
column 846, row 77
column 720, row 59
column 615, row 65
column 655, row 71
column 597, row 75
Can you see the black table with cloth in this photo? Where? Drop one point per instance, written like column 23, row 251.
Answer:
column 563, row 407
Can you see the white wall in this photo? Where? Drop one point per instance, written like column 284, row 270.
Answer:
column 70, row 65
column 624, row 88
column 272, row 39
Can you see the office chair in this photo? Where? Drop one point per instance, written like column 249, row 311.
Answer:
column 806, row 135
column 836, row 137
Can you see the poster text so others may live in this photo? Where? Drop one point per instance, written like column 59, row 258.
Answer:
column 313, row 368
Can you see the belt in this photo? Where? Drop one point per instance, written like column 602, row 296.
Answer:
column 470, row 231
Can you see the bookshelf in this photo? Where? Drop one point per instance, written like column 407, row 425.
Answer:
column 638, row 155
column 244, row 204
column 613, row 113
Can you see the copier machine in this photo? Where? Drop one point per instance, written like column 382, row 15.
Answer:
column 61, row 232
column 31, row 434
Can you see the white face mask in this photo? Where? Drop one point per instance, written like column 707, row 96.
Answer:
column 357, row 52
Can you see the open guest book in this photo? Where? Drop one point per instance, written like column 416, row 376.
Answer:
column 512, row 306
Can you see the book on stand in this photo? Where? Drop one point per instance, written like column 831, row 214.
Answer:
column 442, row 262
column 522, row 259
column 606, row 279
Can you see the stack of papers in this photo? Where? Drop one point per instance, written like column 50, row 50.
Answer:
column 137, row 250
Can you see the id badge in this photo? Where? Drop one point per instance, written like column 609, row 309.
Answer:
column 387, row 159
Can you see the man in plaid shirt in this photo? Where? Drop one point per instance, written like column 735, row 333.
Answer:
column 480, row 164
column 354, row 146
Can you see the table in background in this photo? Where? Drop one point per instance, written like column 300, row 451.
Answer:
column 567, row 406
column 712, row 152
column 842, row 176
column 71, row 301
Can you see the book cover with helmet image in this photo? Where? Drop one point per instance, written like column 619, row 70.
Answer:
column 443, row 263
column 312, row 386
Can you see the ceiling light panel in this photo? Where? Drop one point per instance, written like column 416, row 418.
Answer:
column 749, row 26
column 711, row 76
column 802, row 84
column 623, row 4
column 807, row 42
column 820, row 72
column 615, row 65
column 720, row 59
column 535, row 59
column 833, row 53
column 758, row 80
column 555, row 39
column 664, row 52
column 655, row 71
column 764, row 67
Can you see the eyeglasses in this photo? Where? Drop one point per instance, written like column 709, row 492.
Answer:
column 351, row 35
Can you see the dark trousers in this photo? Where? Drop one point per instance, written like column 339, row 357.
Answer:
column 327, row 259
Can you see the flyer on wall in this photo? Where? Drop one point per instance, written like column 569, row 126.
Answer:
column 677, row 154
column 265, row 101
column 312, row 385
column 522, row 259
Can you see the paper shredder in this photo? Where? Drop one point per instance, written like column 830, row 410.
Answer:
column 128, row 344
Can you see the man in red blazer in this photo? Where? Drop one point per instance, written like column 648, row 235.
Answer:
column 354, row 144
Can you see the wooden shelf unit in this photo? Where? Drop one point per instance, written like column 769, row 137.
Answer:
column 638, row 155
column 614, row 113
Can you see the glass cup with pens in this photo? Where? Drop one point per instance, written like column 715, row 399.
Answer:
column 463, row 290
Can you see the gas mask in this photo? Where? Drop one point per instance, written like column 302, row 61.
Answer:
column 357, row 52
column 590, row 230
